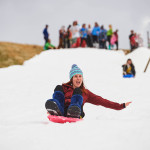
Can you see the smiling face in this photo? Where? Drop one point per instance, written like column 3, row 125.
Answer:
column 129, row 62
column 77, row 80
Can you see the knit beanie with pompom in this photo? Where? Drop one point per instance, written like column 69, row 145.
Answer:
column 75, row 70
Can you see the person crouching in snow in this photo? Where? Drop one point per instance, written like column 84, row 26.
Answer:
column 128, row 69
column 48, row 45
column 69, row 98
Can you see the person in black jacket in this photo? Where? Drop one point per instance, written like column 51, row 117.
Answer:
column 131, row 40
column 128, row 68
column 68, row 36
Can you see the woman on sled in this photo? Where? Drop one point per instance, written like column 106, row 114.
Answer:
column 69, row 98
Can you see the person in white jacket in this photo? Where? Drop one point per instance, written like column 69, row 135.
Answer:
column 75, row 30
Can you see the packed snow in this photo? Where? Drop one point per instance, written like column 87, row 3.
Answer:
column 25, row 89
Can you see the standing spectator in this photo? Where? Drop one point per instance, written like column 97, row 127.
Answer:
column 113, row 40
column 132, row 40
column 95, row 34
column 128, row 69
column 46, row 34
column 83, row 33
column 117, row 37
column 102, row 38
column 75, row 35
column 68, row 37
column 109, row 34
column 89, row 37
column 62, row 37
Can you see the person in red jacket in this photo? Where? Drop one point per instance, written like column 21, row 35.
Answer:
column 69, row 98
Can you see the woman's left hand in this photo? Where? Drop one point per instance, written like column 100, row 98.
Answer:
column 127, row 104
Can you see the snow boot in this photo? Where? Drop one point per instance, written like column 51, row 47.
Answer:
column 74, row 109
column 55, row 106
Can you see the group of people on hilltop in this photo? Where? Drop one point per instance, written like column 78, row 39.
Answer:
column 75, row 36
column 135, row 40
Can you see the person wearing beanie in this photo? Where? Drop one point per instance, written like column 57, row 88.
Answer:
column 69, row 98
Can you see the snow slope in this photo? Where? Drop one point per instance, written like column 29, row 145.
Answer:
column 24, row 90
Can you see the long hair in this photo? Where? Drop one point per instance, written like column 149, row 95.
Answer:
column 82, row 87
column 130, row 60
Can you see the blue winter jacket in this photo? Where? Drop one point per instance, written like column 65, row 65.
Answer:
column 45, row 32
column 103, row 35
column 83, row 32
column 96, row 31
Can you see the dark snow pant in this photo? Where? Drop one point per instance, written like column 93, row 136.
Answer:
column 102, row 44
column 46, row 39
column 95, row 39
column 116, row 43
column 59, row 88
column 108, row 39
column 68, row 43
column 89, row 41
column 133, row 46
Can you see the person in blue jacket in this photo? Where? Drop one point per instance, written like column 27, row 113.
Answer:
column 83, row 34
column 95, row 32
column 102, row 38
column 46, row 34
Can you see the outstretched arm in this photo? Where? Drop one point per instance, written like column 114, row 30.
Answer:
column 98, row 100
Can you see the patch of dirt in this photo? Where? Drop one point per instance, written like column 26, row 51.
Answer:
column 16, row 54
